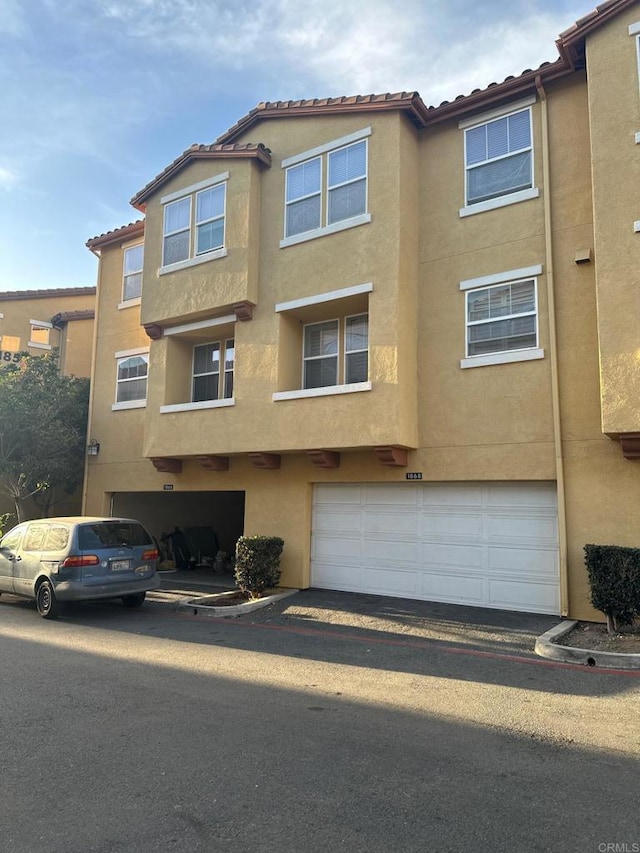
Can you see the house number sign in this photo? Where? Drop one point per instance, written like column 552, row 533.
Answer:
column 167, row 487
column 413, row 475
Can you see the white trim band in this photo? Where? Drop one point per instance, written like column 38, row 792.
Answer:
column 362, row 219
column 634, row 29
column 41, row 324
column 194, row 407
column 328, row 146
column 130, row 404
column 499, row 277
column 201, row 185
column 501, row 201
column 497, row 112
column 502, row 358
column 124, row 353
column 326, row 391
column 319, row 298
column 193, row 262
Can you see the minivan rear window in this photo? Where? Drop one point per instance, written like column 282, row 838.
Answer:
column 110, row 534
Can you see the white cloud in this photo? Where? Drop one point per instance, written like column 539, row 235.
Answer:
column 8, row 177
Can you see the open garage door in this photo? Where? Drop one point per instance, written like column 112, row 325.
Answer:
column 481, row 544
column 210, row 521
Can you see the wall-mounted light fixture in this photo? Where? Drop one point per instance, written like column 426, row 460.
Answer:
column 93, row 448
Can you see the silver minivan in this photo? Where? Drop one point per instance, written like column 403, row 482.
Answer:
column 76, row 559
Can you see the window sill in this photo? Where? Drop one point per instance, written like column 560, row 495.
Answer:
column 130, row 404
column 503, row 201
column 130, row 303
column 194, row 407
column 502, row 358
column 193, row 262
column 363, row 219
column 36, row 345
column 326, row 391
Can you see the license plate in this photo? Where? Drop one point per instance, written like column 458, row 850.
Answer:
column 120, row 565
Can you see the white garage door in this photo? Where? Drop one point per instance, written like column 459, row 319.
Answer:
column 480, row 544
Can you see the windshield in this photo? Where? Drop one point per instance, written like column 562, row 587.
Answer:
column 111, row 534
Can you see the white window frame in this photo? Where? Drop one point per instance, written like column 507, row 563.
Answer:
column 198, row 223
column 191, row 192
column 223, row 347
column 348, row 352
column 508, row 198
column 322, row 153
column 120, row 357
column 496, row 280
column 40, row 325
column 340, row 355
column 132, row 300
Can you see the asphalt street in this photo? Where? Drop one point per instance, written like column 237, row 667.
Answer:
column 131, row 732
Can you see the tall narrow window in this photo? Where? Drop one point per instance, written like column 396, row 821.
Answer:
column 347, row 182
column 498, row 157
column 132, row 276
column 132, row 378
column 177, row 231
column 303, row 197
column 356, row 349
column 321, row 354
column 209, row 382
column 210, row 219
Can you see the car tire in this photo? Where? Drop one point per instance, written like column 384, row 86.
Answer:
column 46, row 601
column 134, row 600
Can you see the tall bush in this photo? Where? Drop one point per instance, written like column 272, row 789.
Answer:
column 258, row 563
column 614, row 577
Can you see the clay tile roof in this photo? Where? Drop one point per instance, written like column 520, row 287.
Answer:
column 570, row 43
column 46, row 293
column 215, row 151
column 409, row 102
column 63, row 317
column 118, row 235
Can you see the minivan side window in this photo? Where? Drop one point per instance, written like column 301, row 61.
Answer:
column 57, row 538
column 35, row 537
column 12, row 539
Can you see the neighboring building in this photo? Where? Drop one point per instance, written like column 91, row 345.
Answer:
column 402, row 338
column 37, row 321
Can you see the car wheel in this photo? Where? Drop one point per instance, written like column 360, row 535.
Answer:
column 46, row 601
column 134, row 600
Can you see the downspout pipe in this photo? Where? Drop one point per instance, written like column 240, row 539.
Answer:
column 553, row 353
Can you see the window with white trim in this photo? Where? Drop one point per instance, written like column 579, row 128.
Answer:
column 132, row 272
column 131, row 382
column 326, row 189
column 212, row 374
column 502, row 318
column 498, row 157
column 194, row 226
column 39, row 334
column 336, row 352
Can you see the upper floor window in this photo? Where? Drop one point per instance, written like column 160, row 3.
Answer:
column 498, row 157
column 132, row 272
column 213, row 366
column 336, row 352
column 131, row 382
column 502, row 318
column 39, row 334
column 194, row 224
column 326, row 188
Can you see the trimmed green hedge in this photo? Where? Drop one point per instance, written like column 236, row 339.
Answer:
column 258, row 563
column 614, row 577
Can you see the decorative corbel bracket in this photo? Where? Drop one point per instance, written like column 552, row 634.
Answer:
column 214, row 463
column 324, row 458
column 167, row 465
column 395, row 457
column 265, row 460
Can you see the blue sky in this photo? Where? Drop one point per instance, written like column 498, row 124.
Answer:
column 98, row 96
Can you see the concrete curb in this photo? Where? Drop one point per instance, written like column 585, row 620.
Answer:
column 203, row 604
column 548, row 647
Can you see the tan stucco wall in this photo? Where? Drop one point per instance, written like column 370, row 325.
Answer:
column 614, row 105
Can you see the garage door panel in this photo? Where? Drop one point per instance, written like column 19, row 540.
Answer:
column 484, row 544
column 452, row 555
column 458, row 589
column 518, row 528
column 531, row 597
column 400, row 582
column 453, row 526
column 393, row 524
column 524, row 561
column 332, row 522
column 391, row 552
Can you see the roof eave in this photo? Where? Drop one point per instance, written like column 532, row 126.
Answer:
column 119, row 235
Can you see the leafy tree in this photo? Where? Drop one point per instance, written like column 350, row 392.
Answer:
column 43, row 424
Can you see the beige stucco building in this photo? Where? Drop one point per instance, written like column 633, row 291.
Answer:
column 401, row 337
